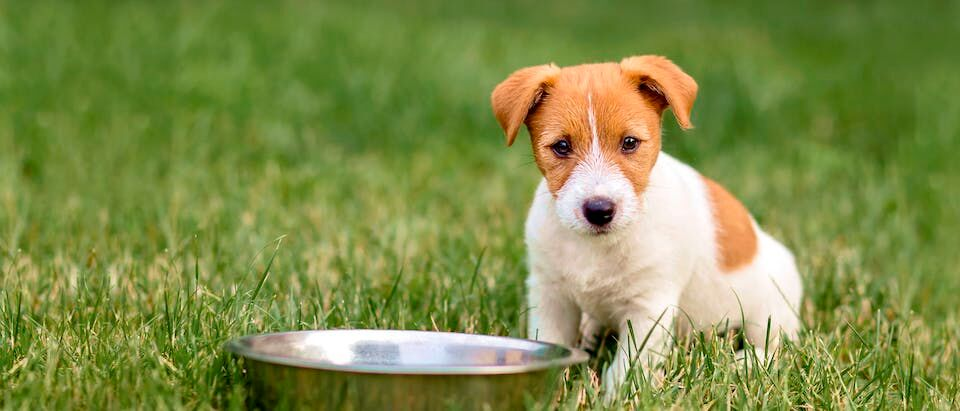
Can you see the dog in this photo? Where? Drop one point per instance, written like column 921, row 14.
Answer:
column 623, row 236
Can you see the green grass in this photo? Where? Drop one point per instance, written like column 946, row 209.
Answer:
column 155, row 156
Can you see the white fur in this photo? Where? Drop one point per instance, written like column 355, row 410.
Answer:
column 658, row 260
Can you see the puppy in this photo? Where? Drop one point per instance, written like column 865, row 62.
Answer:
column 622, row 235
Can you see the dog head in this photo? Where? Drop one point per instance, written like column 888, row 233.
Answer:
column 595, row 131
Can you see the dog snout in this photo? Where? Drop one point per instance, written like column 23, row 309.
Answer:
column 599, row 211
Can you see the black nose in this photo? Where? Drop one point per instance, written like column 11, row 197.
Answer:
column 598, row 211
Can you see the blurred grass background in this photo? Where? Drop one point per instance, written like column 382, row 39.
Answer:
column 149, row 151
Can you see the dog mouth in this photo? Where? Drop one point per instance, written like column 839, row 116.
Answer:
column 593, row 230
column 599, row 231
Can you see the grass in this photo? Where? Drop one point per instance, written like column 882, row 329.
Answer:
column 173, row 174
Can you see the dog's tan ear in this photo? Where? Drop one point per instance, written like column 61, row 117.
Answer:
column 664, row 79
column 516, row 97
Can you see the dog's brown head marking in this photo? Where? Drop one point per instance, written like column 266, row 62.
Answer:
column 599, row 110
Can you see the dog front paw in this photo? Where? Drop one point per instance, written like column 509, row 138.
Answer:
column 617, row 375
column 612, row 381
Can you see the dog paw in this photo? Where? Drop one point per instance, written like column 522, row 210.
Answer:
column 612, row 380
column 616, row 377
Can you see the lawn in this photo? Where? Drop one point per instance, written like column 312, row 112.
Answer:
column 173, row 174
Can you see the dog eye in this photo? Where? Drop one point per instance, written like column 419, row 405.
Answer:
column 630, row 144
column 561, row 148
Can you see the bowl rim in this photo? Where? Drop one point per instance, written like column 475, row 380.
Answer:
column 573, row 356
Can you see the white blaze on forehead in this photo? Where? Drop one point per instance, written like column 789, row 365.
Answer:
column 595, row 158
column 592, row 119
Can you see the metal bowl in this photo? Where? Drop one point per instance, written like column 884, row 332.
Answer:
column 392, row 369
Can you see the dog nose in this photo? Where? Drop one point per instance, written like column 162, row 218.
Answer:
column 598, row 211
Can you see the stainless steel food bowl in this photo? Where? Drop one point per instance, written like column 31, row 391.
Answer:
column 392, row 369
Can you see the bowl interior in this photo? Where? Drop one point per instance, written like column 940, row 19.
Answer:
column 395, row 351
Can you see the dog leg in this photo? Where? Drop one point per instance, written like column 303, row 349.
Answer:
column 765, row 336
column 643, row 339
column 768, row 325
column 552, row 317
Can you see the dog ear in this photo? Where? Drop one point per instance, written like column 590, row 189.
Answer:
column 517, row 96
column 669, row 85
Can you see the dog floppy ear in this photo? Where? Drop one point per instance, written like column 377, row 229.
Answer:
column 658, row 75
column 516, row 97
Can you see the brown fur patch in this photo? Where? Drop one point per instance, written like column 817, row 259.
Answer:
column 735, row 235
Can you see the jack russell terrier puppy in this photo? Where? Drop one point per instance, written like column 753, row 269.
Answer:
column 626, row 237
